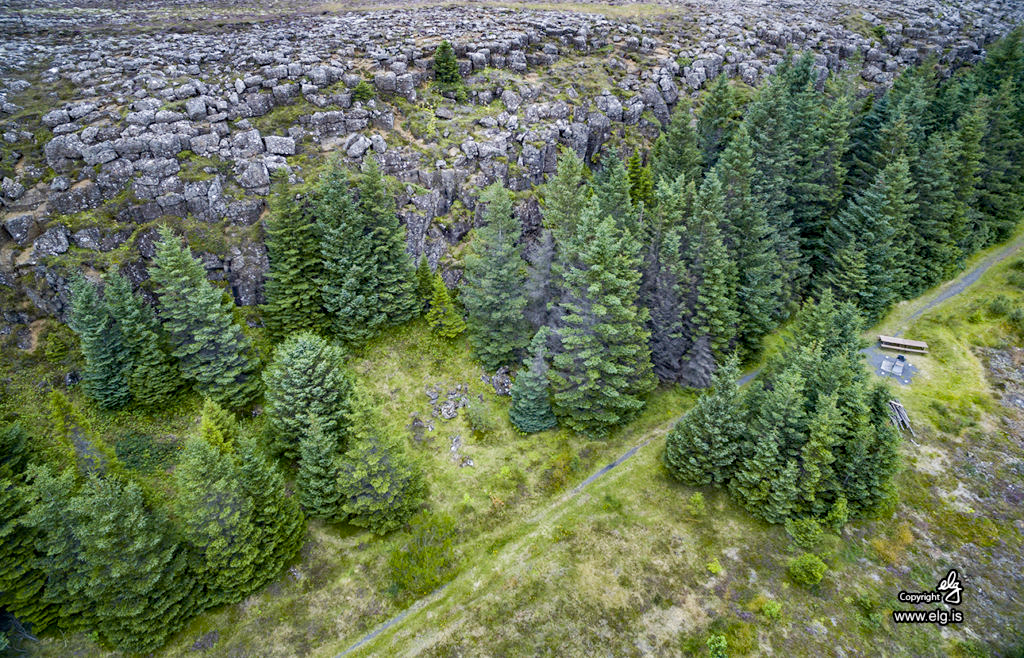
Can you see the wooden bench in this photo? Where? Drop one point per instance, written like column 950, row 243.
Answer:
column 902, row 344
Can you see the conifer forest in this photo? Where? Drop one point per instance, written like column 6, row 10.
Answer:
column 476, row 330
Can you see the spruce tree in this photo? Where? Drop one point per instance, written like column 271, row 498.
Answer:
column 967, row 153
column 531, row 398
column 276, row 516
column 444, row 319
column 293, row 248
column 936, row 214
column 395, row 280
column 216, row 521
column 675, row 151
column 369, row 281
column 1001, row 197
column 601, row 368
column 641, row 182
column 611, row 192
column 153, row 376
column 218, row 426
column 22, row 577
column 848, row 276
column 754, row 472
column 879, row 220
column 715, row 313
column 317, row 481
column 446, row 68
column 704, row 444
column 58, row 551
column 817, row 482
column 136, row 575
column 381, row 485
column 542, row 290
column 306, row 378
column 717, row 119
column 666, row 287
column 750, row 242
column 494, row 293
column 212, row 350
column 564, row 197
column 424, row 282
column 107, row 362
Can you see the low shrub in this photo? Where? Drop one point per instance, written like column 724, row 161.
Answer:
column 143, row 453
column 807, row 570
column 806, row 533
column 428, row 559
column 696, row 505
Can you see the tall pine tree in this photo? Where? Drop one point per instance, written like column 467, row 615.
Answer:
column 154, row 375
column 293, row 248
column 601, row 368
column 211, row 348
column 306, row 378
column 531, row 398
column 494, row 294
column 107, row 362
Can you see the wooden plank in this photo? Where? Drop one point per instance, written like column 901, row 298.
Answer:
column 903, row 344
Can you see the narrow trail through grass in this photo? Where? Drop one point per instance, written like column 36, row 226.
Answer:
column 480, row 571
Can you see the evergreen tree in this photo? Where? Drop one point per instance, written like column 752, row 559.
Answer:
column 293, row 248
column 717, row 119
column 666, row 288
column 218, row 426
column 879, row 220
column 601, row 369
column 611, row 192
column 21, row 577
column 641, row 183
column 817, row 482
column 136, row 576
column 564, row 197
column 754, row 472
column 774, row 163
column 1001, row 197
column 676, row 152
column 105, row 377
column 698, row 364
column 279, row 526
column 317, row 480
column 848, row 276
column 306, row 378
column 216, row 518
column 446, row 68
column 531, row 399
column 716, row 282
column 58, row 550
column 703, row 445
column 966, row 151
column 444, row 320
column 542, row 291
column 153, row 376
column 424, row 282
column 369, row 280
column 214, row 353
column 751, row 244
column 381, row 485
column 494, row 294
column 936, row 214
column 395, row 280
